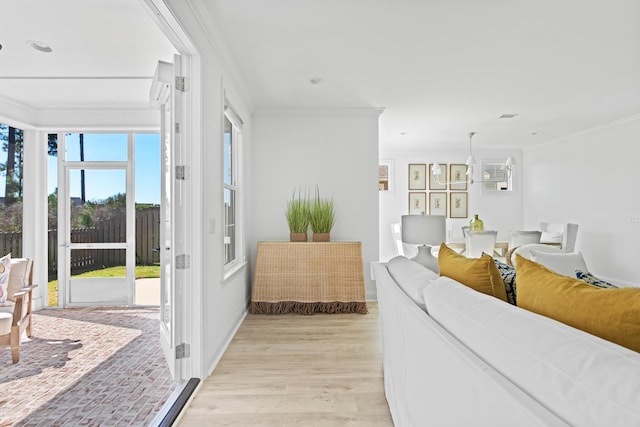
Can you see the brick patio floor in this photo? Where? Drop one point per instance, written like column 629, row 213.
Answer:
column 86, row 367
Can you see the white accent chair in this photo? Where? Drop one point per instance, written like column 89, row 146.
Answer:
column 564, row 234
column 478, row 242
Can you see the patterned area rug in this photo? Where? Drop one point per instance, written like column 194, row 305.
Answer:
column 90, row 367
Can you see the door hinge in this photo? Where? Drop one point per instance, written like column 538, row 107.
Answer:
column 183, row 351
column 182, row 172
column 182, row 84
column 183, row 261
column 177, row 127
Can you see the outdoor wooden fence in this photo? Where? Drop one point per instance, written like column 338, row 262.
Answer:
column 112, row 230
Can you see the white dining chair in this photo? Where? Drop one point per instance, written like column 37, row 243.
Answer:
column 396, row 235
column 519, row 238
column 477, row 242
column 523, row 237
column 564, row 234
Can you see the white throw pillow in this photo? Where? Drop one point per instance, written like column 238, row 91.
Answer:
column 411, row 277
column 561, row 263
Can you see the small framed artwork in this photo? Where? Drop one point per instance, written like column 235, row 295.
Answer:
column 437, row 203
column 417, row 176
column 458, row 177
column 433, row 179
column 458, row 205
column 417, row 203
column 385, row 174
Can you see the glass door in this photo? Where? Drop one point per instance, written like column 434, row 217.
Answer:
column 97, row 231
column 174, row 228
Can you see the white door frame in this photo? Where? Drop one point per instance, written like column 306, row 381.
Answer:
column 191, row 322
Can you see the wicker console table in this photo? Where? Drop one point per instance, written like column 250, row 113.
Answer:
column 308, row 277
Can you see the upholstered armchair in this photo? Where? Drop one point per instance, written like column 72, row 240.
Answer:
column 15, row 312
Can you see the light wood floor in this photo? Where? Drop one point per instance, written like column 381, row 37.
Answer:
column 293, row 370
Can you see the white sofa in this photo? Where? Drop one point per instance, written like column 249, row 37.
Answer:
column 457, row 357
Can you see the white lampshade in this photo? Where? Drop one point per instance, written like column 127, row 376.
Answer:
column 424, row 229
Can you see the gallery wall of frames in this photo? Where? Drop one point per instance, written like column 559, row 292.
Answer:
column 445, row 194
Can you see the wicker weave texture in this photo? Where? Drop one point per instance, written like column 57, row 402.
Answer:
column 309, row 272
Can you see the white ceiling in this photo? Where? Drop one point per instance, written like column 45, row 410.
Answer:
column 104, row 53
column 440, row 68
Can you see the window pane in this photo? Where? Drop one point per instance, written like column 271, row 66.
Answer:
column 228, row 153
column 229, row 225
column 98, row 206
column 11, row 174
column 98, row 263
column 93, row 147
column 147, row 181
column 52, row 220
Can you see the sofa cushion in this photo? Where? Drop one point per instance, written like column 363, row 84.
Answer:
column 19, row 277
column 562, row 263
column 585, row 380
column 5, row 323
column 411, row 277
column 593, row 280
column 5, row 269
column 612, row 314
column 480, row 274
column 508, row 274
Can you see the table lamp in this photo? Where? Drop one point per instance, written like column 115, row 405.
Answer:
column 426, row 231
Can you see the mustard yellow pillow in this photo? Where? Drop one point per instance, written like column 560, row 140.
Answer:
column 612, row 314
column 481, row 274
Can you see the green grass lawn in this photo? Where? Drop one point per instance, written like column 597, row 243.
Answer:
column 142, row 272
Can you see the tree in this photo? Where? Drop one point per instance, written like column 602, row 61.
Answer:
column 12, row 143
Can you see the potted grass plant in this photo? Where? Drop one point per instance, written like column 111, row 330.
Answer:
column 322, row 218
column 298, row 216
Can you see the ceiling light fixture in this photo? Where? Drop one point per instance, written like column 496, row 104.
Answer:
column 315, row 80
column 505, row 170
column 40, row 46
column 507, row 116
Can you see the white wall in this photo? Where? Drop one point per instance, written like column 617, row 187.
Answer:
column 591, row 179
column 500, row 211
column 337, row 150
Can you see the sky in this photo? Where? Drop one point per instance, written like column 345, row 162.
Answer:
column 100, row 184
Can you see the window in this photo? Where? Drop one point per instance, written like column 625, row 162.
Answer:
column 11, row 177
column 231, row 189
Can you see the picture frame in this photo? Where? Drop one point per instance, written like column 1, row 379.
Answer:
column 417, row 176
column 458, row 205
column 433, row 185
column 458, row 172
column 417, row 203
column 438, row 203
column 385, row 175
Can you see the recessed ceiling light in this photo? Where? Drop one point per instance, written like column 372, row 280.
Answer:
column 315, row 80
column 507, row 116
column 534, row 133
column 403, row 133
column 40, row 46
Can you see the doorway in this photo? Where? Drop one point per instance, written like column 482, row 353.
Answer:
column 107, row 219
